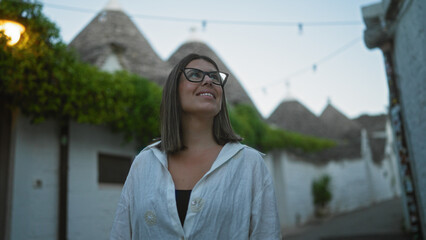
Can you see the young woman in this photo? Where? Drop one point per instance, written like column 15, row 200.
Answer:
column 198, row 182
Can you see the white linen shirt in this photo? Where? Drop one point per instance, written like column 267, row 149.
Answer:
column 235, row 199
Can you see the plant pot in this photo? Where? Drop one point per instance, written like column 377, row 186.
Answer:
column 322, row 211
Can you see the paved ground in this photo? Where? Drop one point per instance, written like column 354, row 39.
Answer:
column 380, row 221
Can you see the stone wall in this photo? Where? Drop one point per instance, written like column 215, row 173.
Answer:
column 410, row 67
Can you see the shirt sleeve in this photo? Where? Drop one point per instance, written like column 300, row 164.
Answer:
column 264, row 222
column 121, row 225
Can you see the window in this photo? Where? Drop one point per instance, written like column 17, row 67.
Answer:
column 113, row 168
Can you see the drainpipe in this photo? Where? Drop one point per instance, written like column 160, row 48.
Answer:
column 63, row 179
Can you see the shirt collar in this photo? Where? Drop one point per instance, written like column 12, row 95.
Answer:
column 160, row 155
column 227, row 152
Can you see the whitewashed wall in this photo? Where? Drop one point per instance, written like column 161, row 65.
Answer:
column 355, row 183
column 385, row 178
column 92, row 205
column 35, row 181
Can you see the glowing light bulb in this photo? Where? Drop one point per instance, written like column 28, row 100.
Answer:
column 13, row 30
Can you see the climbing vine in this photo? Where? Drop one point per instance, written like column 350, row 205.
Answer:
column 45, row 80
column 257, row 133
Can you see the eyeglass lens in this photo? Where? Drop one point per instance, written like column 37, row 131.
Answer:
column 196, row 75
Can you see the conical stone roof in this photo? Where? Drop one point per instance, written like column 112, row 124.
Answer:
column 338, row 125
column 112, row 32
column 234, row 91
column 293, row 116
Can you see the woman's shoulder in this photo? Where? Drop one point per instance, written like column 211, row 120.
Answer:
column 252, row 162
column 148, row 153
column 252, row 153
column 245, row 153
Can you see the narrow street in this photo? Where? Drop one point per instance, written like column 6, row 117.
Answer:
column 382, row 221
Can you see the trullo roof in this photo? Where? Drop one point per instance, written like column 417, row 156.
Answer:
column 293, row 116
column 112, row 35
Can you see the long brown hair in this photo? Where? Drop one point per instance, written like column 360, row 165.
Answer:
column 171, row 112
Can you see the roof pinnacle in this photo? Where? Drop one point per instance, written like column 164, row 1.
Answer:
column 113, row 5
column 194, row 35
column 288, row 94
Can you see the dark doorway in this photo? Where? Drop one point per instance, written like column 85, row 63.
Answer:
column 5, row 165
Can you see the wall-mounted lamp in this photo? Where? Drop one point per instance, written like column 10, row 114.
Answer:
column 12, row 29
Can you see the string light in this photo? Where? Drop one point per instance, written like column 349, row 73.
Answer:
column 204, row 25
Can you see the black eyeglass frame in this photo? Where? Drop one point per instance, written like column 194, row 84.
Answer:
column 204, row 75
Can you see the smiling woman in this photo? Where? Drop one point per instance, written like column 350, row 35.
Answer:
column 198, row 182
column 174, row 97
column 202, row 98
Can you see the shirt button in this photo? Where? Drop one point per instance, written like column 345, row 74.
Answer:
column 197, row 204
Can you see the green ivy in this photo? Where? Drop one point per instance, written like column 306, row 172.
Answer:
column 44, row 79
column 248, row 123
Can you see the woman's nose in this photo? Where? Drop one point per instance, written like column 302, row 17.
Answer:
column 207, row 80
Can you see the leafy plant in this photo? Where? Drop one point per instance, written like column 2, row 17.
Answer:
column 321, row 191
column 257, row 133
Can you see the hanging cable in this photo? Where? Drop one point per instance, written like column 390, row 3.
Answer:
column 68, row 8
column 298, row 24
column 313, row 67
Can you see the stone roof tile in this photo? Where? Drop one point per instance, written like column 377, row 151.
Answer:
column 113, row 32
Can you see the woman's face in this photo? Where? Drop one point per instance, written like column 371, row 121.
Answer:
column 200, row 97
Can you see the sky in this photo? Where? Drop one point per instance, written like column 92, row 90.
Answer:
column 309, row 50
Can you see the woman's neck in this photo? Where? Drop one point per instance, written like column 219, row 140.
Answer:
column 198, row 132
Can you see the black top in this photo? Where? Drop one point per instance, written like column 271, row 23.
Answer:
column 182, row 201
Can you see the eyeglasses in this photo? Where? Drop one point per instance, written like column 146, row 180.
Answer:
column 196, row 75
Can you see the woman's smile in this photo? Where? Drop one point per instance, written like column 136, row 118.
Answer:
column 207, row 94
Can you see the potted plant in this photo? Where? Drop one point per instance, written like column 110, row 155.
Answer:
column 321, row 195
